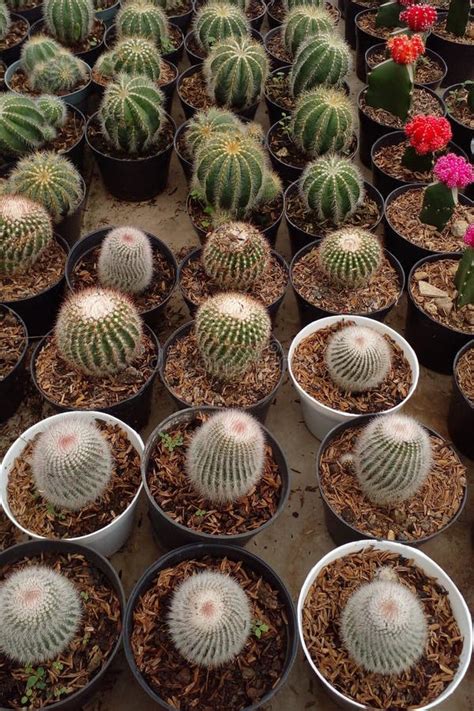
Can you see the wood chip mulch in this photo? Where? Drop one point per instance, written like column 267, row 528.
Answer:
column 389, row 159
column 465, row 373
column 68, row 135
column 186, row 377
column 456, row 102
column 46, row 272
column 277, row 89
column 193, row 90
column 18, row 30
column 276, row 47
column 264, row 215
column 468, row 37
column 12, row 343
column 367, row 24
column 426, row 513
column 9, row 534
column 34, row 513
column 321, row 619
column 422, row 103
column 85, row 656
column 282, row 146
column 427, row 69
column 66, row 386
column 233, row 686
column 309, row 368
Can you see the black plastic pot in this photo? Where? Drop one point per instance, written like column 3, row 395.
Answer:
column 174, row 56
column 364, row 41
column 259, row 410
column 300, row 239
column 459, row 57
column 342, row 532
column 196, row 552
column 386, row 183
column 89, row 55
column 13, row 384
column 461, row 412
column 133, row 179
column 31, row 13
column 462, row 134
column 34, row 549
column 171, row 534
column 182, row 21
column 12, row 54
column 186, row 164
column 428, row 53
column 407, row 252
column 70, row 226
column 351, row 11
column 435, row 344
column 135, row 410
column 275, row 62
column 273, row 21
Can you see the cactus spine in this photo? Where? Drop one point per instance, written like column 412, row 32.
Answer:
column 206, row 124
column 5, row 21
column 332, row 188
column 39, row 48
column 358, row 359
column 350, row 257
column 22, row 125
column 209, row 619
column 322, row 121
column 217, row 21
column 69, row 21
column 63, row 74
column 138, row 57
column 324, row 59
column 25, row 230
column 141, row 18
column 236, row 255
column 126, row 260
column 53, row 109
column 302, row 22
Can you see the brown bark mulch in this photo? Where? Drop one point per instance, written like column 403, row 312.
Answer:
column 465, row 373
column 275, row 46
column 367, row 24
column 389, row 159
column 9, row 534
column 277, row 89
column 193, row 90
column 263, row 216
column 427, row 69
column 422, row 103
column 456, row 102
column 468, row 38
column 282, row 146
column 68, row 135
column 17, row 32
column 45, row 273
column 12, row 343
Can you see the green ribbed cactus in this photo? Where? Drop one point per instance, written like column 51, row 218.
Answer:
column 325, row 59
column 350, row 256
column 217, row 21
column 138, row 57
column 105, row 64
column 303, row 22
column 131, row 114
column 291, row 4
column 50, row 179
column 322, row 121
column 63, row 74
column 458, row 17
column 206, row 124
column 141, row 18
column 236, row 70
column 69, row 21
column 23, row 127
column 53, row 108
column 392, row 458
column 39, row 48
column 332, row 187
column 231, row 331
column 25, row 231
column 98, row 332
column 235, row 256
column 358, row 358
column 5, row 21
column 126, row 260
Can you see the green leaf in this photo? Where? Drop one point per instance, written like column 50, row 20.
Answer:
column 171, row 442
column 40, row 672
column 31, row 681
column 24, row 699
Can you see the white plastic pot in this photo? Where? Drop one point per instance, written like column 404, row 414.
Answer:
column 106, row 540
column 319, row 418
column 458, row 605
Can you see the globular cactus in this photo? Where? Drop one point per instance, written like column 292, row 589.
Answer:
column 350, row 256
column 206, row 124
column 141, row 18
column 209, row 619
column 37, row 49
column 130, row 114
column 291, row 4
column 126, row 260
column 50, row 179
column 71, row 463
column 25, row 231
column 324, row 59
column 322, row 121
column 235, row 256
column 332, row 188
column 69, row 21
column 98, row 331
column 23, row 127
column 137, row 56
column 231, row 331
column 383, row 626
column 217, row 21
column 303, row 22
column 40, row 611
column 5, row 21
column 236, row 70
column 392, row 458
column 105, row 64
column 53, row 109
column 62, row 74
column 225, row 456
column 358, row 359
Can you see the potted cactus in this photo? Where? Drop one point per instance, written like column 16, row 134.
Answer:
column 13, row 347
column 430, row 69
column 62, row 606
column 13, row 33
column 300, row 23
column 461, row 404
column 214, row 21
column 254, row 10
column 452, row 38
column 207, row 619
column 459, row 100
column 278, row 9
column 179, row 12
column 116, row 376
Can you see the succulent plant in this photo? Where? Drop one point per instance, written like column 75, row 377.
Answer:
column 322, row 121
column 105, row 64
column 232, row 330
column 216, row 21
column 236, row 254
column 452, row 173
column 23, row 127
column 38, row 48
column 98, row 331
column 126, row 260
column 426, row 135
column 458, row 17
column 303, row 22
column 225, row 456
column 53, row 109
column 63, row 74
column 69, row 21
column 332, row 188
column 50, row 179
column 206, row 124
column 209, row 619
column 5, row 20
column 40, row 611
column 236, row 70
column 350, row 256
column 25, row 230
column 137, row 56
column 291, row 4
column 357, row 358
column 464, row 277
column 383, row 626
column 324, row 59
column 141, row 18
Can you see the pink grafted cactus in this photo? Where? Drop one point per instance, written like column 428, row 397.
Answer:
column 454, row 171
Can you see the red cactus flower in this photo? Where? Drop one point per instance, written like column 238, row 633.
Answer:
column 419, row 18
column 469, row 236
column 428, row 133
column 454, row 171
column 404, row 49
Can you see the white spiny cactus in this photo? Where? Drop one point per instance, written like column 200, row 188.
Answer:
column 358, row 358
column 126, row 260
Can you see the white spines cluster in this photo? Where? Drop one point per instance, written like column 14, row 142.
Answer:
column 126, row 260
column 358, row 358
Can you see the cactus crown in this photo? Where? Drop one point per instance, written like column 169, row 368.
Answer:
column 53, row 108
column 141, row 18
column 205, row 124
column 69, row 21
column 38, row 48
column 357, row 358
column 98, row 332
column 63, row 74
column 216, row 21
column 322, row 121
column 25, row 231
column 350, row 257
column 209, row 619
column 40, row 612
column 332, row 187
column 303, row 22
column 324, row 59
column 383, row 626
column 126, row 260
column 5, row 21
column 71, row 463
column 23, row 127
column 137, row 56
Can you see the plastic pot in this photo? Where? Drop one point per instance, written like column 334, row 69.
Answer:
column 183, row 21
column 70, row 226
column 435, row 344
column 374, row 49
column 461, row 412
column 459, row 57
column 107, row 16
column 76, row 98
column 174, row 56
column 186, row 164
column 351, row 11
column 196, row 552
column 13, row 384
column 462, row 134
column 107, row 540
column 258, row 410
column 430, row 568
column 152, row 317
column 273, row 21
column 31, row 13
column 134, row 410
column 12, row 54
column 364, row 41
column 88, row 56
column 342, row 532
column 34, row 549
column 275, row 61
column 319, row 418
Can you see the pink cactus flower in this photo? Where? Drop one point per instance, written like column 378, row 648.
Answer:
column 469, row 236
column 454, row 171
